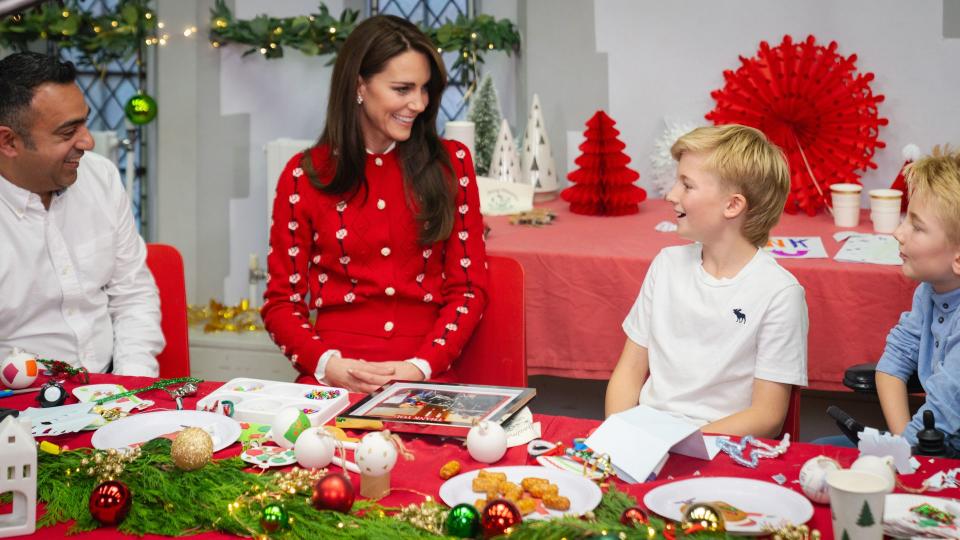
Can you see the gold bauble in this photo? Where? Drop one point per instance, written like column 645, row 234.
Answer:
column 702, row 517
column 191, row 449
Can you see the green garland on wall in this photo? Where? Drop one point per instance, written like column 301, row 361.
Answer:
column 322, row 34
column 99, row 39
column 172, row 502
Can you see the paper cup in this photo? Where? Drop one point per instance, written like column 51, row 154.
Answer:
column 856, row 504
column 845, row 199
column 461, row 130
column 885, row 209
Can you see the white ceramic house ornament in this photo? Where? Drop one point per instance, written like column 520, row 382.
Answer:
column 18, row 476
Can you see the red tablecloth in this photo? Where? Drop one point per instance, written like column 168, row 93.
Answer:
column 421, row 476
column 584, row 272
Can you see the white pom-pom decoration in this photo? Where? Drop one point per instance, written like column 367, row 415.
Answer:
column 663, row 166
column 813, row 478
column 287, row 425
column 18, row 370
column 487, row 442
column 314, row 448
column 376, row 454
column 911, row 152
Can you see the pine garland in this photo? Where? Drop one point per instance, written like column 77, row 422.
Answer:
column 172, row 502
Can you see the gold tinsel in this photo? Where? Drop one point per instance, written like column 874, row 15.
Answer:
column 108, row 464
column 430, row 516
column 218, row 317
column 191, row 449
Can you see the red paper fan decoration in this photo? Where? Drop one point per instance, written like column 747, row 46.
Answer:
column 813, row 104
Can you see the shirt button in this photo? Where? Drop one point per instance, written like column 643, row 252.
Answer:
column 937, row 344
column 378, row 161
column 388, row 326
column 940, row 320
column 385, row 251
column 390, row 291
column 381, row 204
column 946, row 305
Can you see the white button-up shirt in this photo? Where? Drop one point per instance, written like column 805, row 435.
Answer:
column 74, row 284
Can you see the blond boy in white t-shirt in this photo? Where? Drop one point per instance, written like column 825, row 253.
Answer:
column 718, row 334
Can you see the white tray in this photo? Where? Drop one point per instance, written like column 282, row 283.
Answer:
column 258, row 401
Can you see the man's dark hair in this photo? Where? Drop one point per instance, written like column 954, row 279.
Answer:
column 20, row 75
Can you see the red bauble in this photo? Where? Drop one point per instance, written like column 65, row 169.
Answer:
column 498, row 516
column 333, row 492
column 634, row 516
column 110, row 502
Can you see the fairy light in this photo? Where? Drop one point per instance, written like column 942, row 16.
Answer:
column 189, row 31
column 333, row 30
column 163, row 40
column 278, row 30
column 490, row 46
column 114, row 24
column 96, row 29
column 263, row 50
column 473, row 35
column 439, row 49
column 66, row 14
column 215, row 44
column 273, row 45
column 161, row 25
column 148, row 15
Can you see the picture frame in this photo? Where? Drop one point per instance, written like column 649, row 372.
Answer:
column 433, row 408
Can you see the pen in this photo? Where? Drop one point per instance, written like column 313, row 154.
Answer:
column 7, row 393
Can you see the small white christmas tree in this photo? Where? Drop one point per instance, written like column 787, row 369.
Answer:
column 505, row 163
column 664, row 167
column 485, row 114
column 539, row 167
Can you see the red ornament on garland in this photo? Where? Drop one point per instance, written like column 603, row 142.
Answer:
column 604, row 183
column 110, row 502
column 812, row 103
column 634, row 516
column 333, row 492
column 498, row 516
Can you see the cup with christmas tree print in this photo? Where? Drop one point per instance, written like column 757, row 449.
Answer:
column 856, row 504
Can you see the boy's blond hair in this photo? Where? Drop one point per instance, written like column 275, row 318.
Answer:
column 749, row 164
column 936, row 179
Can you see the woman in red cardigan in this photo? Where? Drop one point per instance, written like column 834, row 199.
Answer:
column 377, row 228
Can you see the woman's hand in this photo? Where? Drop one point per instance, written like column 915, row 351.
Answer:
column 359, row 375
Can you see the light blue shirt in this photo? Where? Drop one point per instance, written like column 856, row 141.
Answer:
column 927, row 340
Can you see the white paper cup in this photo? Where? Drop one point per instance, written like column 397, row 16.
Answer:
column 845, row 200
column 885, row 221
column 856, row 504
column 885, row 209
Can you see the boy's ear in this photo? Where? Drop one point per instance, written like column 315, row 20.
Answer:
column 736, row 205
column 955, row 265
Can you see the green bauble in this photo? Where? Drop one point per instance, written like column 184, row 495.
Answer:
column 140, row 109
column 463, row 521
column 273, row 517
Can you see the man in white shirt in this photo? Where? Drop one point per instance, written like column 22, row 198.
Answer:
column 74, row 285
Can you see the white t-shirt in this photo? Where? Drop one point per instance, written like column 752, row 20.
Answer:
column 708, row 338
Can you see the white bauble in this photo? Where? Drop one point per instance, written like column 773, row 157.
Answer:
column 376, row 454
column 487, row 442
column 880, row 466
column 813, row 478
column 314, row 448
column 18, row 370
column 287, row 425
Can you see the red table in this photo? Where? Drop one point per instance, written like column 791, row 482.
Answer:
column 420, row 475
column 584, row 272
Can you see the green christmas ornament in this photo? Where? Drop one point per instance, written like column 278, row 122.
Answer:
column 273, row 517
column 140, row 109
column 463, row 521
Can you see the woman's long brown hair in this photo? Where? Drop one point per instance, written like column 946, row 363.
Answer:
column 427, row 170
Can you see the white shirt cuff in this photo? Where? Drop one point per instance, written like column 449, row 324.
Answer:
column 321, row 370
column 423, row 366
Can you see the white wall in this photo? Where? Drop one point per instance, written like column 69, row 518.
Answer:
column 283, row 98
column 666, row 57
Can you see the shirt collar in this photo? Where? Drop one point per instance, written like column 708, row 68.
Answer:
column 387, row 151
column 14, row 196
column 951, row 299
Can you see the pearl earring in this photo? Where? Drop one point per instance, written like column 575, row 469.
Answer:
column 359, row 99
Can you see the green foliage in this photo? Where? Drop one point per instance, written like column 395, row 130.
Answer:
column 485, row 114
column 99, row 40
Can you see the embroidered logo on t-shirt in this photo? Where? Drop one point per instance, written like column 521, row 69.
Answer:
column 741, row 316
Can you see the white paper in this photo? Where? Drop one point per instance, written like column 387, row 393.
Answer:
column 870, row 248
column 503, row 198
column 521, row 428
column 52, row 421
column 874, row 443
column 640, row 439
column 796, row 247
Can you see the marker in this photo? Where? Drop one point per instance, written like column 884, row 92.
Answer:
column 8, row 393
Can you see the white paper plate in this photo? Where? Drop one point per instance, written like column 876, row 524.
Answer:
column 764, row 502
column 584, row 495
column 140, row 428
column 898, row 505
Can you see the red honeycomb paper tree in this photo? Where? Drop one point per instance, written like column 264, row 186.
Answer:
column 604, row 183
column 813, row 104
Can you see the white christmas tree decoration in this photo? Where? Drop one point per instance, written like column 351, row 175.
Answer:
column 485, row 114
column 505, row 163
column 664, row 167
column 539, row 167
column 18, row 464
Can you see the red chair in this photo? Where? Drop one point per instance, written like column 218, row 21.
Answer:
column 497, row 352
column 166, row 265
column 791, row 424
